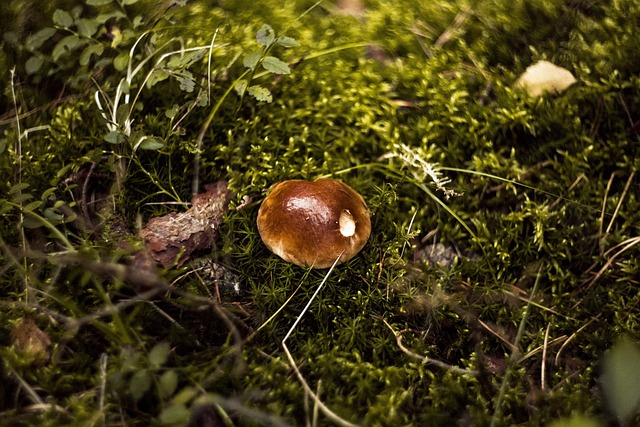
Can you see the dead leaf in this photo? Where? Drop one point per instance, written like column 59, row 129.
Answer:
column 171, row 239
column 28, row 338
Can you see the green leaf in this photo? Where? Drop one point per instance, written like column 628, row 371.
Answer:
column 266, row 35
column 274, row 65
column 260, row 93
column 150, row 143
column 53, row 216
column 87, row 27
column 32, row 206
column 159, row 354
column 65, row 45
column 156, row 76
column 183, row 61
column 94, row 156
column 124, row 87
column 287, row 42
column 168, row 383
column 21, row 198
column 115, row 137
column 129, row 2
column 72, row 216
column 48, row 193
column 172, row 112
column 137, row 21
column 97, row 2
column 3, row 144
column 251, row 59
column 139, row 384
column 184, row 396
column 31, row 222
column 124, row 109
column 174, row 414
column 130, row 359
column 33, row 64
column 62, row 18
column 62, row 172
column 104, row 17
column 92, row 49
column 11, row 38
column 203, row 100
column 241, row 86
column 4, row 207
column 18, row 187
column 187, row 83
column 36, row 40
column 120, row 62
column 621, row 378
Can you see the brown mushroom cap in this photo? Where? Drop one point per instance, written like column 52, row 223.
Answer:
column 311, row 223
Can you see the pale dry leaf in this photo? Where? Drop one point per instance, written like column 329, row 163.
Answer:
column 542, row 77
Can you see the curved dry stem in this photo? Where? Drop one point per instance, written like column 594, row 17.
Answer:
column 323, row 408
column 426, row 359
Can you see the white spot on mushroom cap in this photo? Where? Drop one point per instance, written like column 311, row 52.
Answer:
column 347, row 224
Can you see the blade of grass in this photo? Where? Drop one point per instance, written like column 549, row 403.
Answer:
column 514, row 355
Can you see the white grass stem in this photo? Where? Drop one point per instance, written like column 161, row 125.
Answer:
column 211, row 46
column 18, row 150
column 624, row 193
column 543, row 367
column 321, row 406
column 103, row 382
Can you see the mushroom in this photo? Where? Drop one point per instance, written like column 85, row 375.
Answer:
column 313, row 223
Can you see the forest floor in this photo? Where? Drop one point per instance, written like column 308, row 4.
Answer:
column 498, row 287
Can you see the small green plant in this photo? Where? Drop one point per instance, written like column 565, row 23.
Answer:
column 251, row 60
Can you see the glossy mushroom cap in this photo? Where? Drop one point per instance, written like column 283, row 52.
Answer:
column 313, row 223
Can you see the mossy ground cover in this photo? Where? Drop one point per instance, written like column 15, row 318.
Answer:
column 112, row 110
